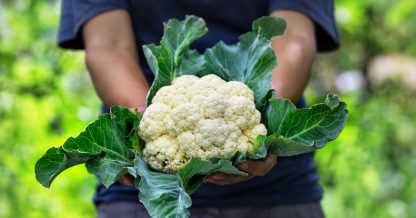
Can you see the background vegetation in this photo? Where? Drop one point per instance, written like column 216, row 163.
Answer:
column 46, row 96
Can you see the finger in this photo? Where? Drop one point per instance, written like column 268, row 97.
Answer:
column 259, row 167
column 126, row 179
column 140, row 109
column 225, row 179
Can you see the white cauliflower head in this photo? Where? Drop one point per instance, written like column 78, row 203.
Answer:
column 198, row 117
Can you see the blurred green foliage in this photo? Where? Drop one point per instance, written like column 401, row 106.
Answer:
column 370, row 170
column 46, row 96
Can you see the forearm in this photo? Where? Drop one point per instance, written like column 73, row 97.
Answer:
column 295, row 51
column 112, row 60
column 117, row 77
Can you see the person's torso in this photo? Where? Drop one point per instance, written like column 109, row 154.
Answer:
column 226, row 20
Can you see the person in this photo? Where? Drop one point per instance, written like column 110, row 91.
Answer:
column 112, row 33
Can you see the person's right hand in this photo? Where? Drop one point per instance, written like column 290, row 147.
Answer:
column 252, row 167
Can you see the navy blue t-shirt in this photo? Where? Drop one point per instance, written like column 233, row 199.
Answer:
column 293, row 180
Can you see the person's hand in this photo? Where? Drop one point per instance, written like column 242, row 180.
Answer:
column 252, row 167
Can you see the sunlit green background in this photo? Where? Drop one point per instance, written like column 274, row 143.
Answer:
column 370, row 171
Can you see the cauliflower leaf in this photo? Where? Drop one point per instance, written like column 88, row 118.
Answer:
column 173, row 57
column 104, row 146
column 168, row 195
column 162, row 194
column 251, row 60
column 304, row 130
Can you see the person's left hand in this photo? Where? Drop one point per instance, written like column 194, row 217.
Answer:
column 252, row 167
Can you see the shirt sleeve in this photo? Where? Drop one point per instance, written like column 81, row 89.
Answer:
column 75, row 13
column 321, row 12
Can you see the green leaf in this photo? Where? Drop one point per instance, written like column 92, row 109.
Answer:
column 103, row 146
column 287, row 147
column 261, row 146
column 269, row 27
column 173, row 57
column 196, row 169
column 167, row 195
column 162, row 194
column 304, row 130
column 54, row 161
column 250, row 61
column 332, row 101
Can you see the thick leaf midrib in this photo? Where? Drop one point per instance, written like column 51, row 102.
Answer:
column 247, row 76
column 186, row 37
column 118, row 143
column 93, row 142
column 180, row 202
column 282, row 121
column 307, row 129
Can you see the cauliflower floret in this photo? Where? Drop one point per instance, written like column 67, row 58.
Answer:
column 234, row 132
column 214, row 105
column 187, row 142
column 211, row 132
column 259, row 129
column 202, row 118
column 205, row 86
column 229, row 149
column 212, row 81
column 240, row 111
column 170, row 96
column 235, row 88
column 202, row 144
column 184, row 117
column 164, row 154
column 197, row 99
column 184, row 81
column 244, row 144
column 256, row 118
column 153, row 123
column 163, row 95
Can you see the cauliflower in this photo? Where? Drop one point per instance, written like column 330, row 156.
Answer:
column 198, row 117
